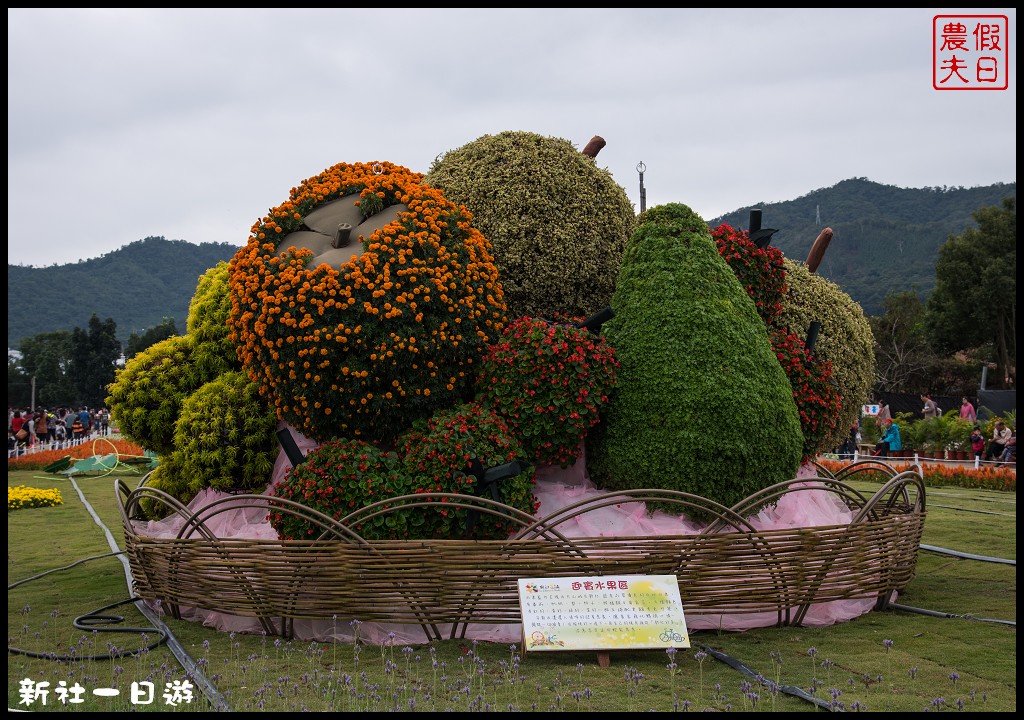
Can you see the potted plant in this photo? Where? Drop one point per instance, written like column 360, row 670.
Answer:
column 908, row 433
column 959, row 442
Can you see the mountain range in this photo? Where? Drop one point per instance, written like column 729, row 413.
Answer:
column 885, row 239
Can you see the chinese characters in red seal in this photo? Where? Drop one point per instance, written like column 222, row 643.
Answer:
column 970, row 52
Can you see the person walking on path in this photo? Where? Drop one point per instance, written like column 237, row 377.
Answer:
column 930, row 409
column 967, row 411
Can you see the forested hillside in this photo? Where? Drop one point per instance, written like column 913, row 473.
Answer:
column 885, row 238
column 138, row 286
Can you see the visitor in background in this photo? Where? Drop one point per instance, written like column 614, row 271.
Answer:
column 930, row 409
column 1000, row 436
column 883, row 415
column 69, row 421
column 30, row 426
column 890, row 441
column 77, row 428
column 85, row 417
column 849, row 446
column 60, row 433
column 977, row 443
column 42, row 427
column 17, row 422
column 1010, row 450
column 967, row 411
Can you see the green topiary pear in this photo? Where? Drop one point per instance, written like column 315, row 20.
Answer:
column 702, row 404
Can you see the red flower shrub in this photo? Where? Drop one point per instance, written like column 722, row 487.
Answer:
column 437, row 453
column 549, row 381
column 816, row 397
column 760, row 271
column 338, row 478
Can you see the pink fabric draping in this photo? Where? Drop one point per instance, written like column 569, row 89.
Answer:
column 555, row 488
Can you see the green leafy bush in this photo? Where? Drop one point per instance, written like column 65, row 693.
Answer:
column 208, row 314
column 438, row 452
column 557, row 223
column 549, row 382
column 224, row 437
column 147, row 393
column 701, row 403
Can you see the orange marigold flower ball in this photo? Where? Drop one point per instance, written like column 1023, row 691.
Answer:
column 418, row 286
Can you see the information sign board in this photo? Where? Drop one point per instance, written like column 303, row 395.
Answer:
column 615, row 612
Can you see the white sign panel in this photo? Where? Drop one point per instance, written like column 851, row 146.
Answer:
column 616, row 612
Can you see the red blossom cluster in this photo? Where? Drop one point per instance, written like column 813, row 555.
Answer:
column 760, row 270
column 816, row 397
column 549, row 381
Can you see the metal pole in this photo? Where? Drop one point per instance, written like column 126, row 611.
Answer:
column 640, row 168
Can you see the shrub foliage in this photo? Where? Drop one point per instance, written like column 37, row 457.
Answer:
column 558, row 223
column 701, row 404
column 549, row 382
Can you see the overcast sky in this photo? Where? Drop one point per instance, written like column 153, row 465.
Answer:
column 192, row 123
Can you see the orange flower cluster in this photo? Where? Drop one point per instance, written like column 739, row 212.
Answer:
column 365, row 349
column 986, row 477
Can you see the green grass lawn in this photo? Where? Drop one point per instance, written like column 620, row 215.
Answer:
column 943, row 656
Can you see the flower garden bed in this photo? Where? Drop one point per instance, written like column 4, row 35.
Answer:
column 730, row 568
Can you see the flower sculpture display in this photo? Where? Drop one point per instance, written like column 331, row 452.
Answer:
column 364, row 303
column 549, row 381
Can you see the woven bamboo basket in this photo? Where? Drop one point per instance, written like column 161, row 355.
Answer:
column 728, row 569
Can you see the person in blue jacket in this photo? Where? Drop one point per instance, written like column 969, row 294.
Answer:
column 890, row 440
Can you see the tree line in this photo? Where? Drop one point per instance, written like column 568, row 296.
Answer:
column 73, row 368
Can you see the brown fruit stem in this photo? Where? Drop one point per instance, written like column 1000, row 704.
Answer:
column 818, row 249
column 594, row 146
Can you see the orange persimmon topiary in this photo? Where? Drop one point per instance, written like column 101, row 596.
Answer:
column 364, row 302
